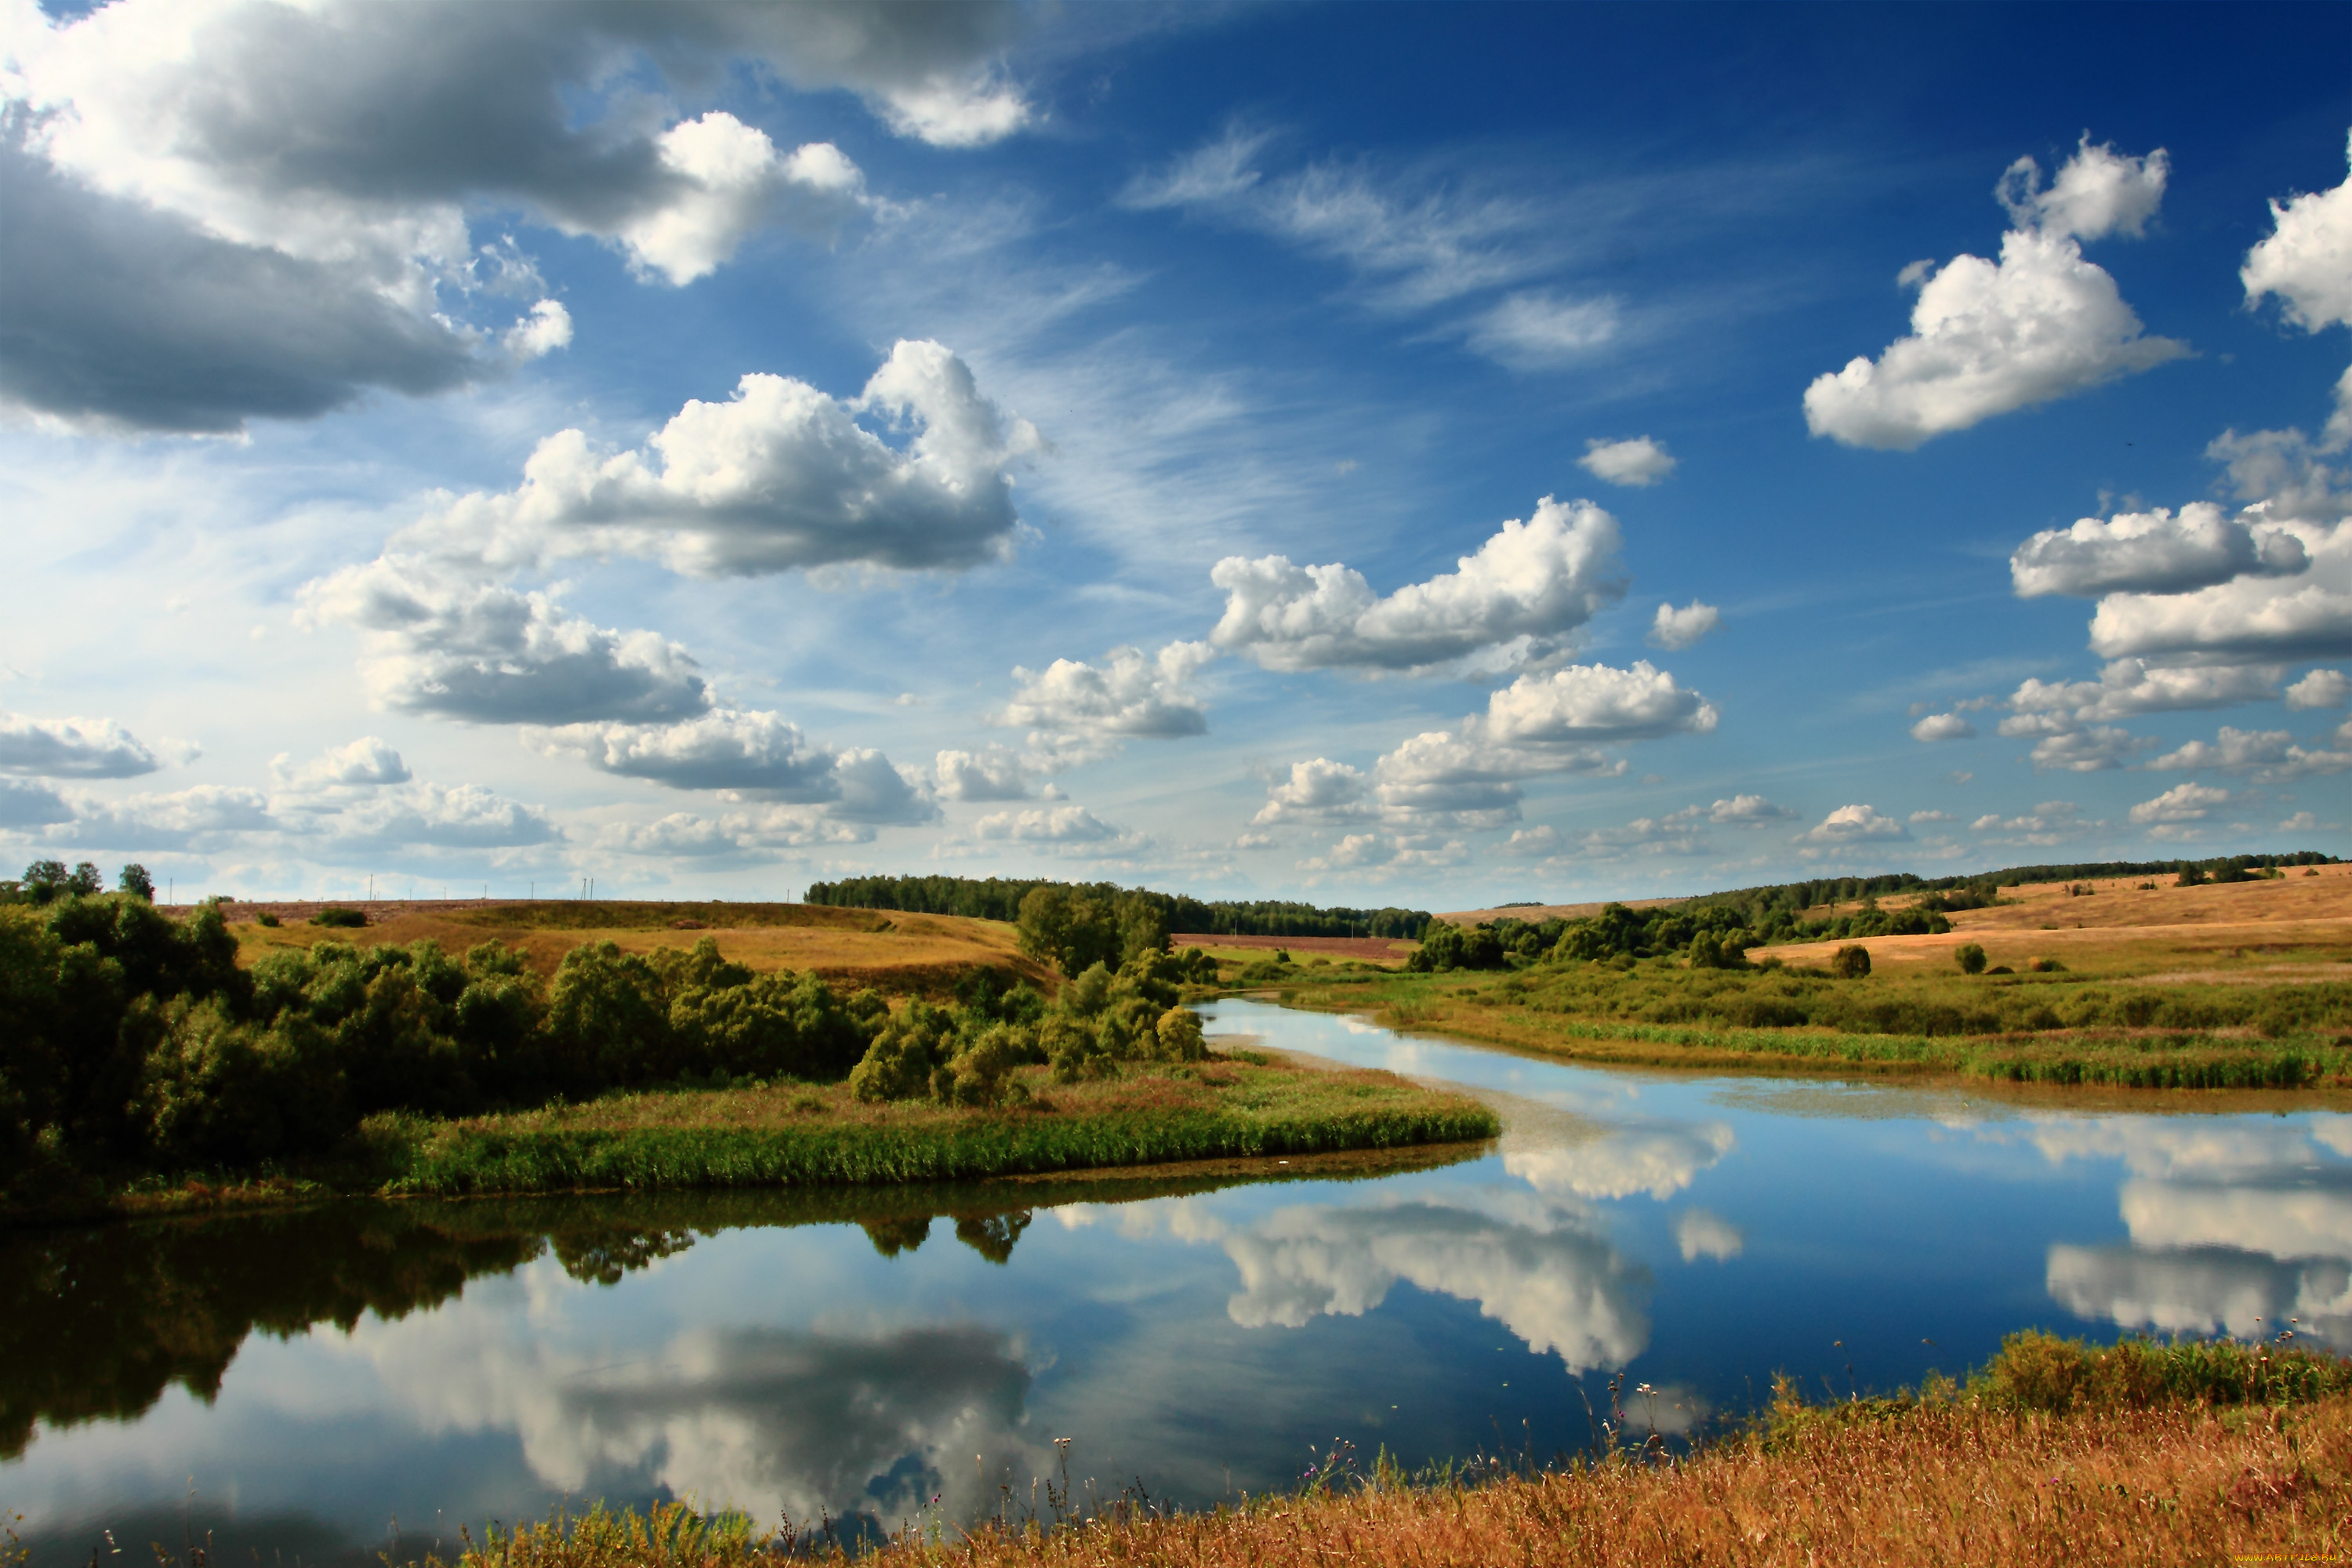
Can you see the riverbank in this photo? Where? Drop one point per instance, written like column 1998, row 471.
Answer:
column 2056, row 1028
column 2135, row 1454
column 1245, row 1106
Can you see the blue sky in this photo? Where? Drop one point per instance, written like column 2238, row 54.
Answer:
column 1421, row 453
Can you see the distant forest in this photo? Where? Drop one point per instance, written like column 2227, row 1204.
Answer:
column 999, row 898
column 1759, row 904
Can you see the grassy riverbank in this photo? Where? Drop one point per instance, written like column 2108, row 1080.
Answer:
column 2060, row 1027
column 1244, row 1106
column 2053, row 1453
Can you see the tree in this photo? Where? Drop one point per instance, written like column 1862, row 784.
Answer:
column 1850, row 963
column 85, row 881
column 44, row 880
column 1969, row 957
column 136, row 882
column 1069, row 929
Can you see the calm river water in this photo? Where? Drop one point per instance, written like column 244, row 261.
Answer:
column 304, row 1386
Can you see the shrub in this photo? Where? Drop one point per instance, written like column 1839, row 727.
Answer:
column 266, row 919
column 901, row 1062
column 335, row 916
column 1970, row 957
column 1179, row 1033
column 2045, row 967
column 1850, row 963
column 982, row 1075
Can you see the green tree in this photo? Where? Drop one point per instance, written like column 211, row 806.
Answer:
column 44, row 880
column 1969, row 957
column 136, row 882
column 1069, row 927
column 85, row 881
column 1850, row 963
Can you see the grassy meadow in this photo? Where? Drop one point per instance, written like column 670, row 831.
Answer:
column 2241, row 985
column 2055, row 1452
column 1248, row 1105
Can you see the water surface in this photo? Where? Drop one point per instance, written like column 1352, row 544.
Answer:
column 309, row 1386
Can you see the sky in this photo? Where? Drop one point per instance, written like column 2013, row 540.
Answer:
column 1428, row 455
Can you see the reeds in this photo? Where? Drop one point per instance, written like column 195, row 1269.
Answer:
column 801, row 1137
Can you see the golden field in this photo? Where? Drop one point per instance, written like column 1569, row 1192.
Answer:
column 899, row 954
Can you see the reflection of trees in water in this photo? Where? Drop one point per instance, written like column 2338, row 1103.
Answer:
column 993, row 1235
column 96, row 1321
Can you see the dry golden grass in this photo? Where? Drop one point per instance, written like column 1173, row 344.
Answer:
column 2296, row 928
column 1250, row 948
column 1537, row 913
column 921, row 954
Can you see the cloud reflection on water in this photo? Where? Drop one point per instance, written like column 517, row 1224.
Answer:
column 768, row 1420
column 2235, row 1227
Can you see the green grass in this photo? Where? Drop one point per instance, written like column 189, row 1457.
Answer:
column 801, row 1135
column 2061, row 1028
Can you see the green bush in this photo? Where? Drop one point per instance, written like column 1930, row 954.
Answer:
column 1970, row 957
column 1850, row 963
column 335, row 916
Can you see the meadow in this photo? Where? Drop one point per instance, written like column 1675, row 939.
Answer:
column 1248, row 1105
column 2118, row 983
column 2054, row 1452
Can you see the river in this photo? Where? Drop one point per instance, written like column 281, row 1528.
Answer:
column 317, row 1385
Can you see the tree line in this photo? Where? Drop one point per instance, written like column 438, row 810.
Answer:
column 1000, row 899
column 133, row 1041
column 44, row 881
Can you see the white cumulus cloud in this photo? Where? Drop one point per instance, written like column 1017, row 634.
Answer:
column 1855, row 825
column 1674, row 628
column 2306, row 259
column 1638, row 461
column 780, row 477
column 2182, row 802
column 751, row 753
column 1537, row 725
column 1521, row 595
column 1988, row 338
column 1131, row 694
column 1316, row 790
column 72, row 749
column 2154, row 553
column 1943, row 727
column 440, row 642
column 2320, row 689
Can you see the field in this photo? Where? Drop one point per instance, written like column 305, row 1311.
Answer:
column 896, row 953
column 1250, row 948
column 1540, row 912
column 2239, row 986
column 2298, row 927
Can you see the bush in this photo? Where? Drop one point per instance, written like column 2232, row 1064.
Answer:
column 1969, row 957
column 266, row 919
column 1850, row 963
column 1444, row 946
column 2045, row 967
column 334, row 916
column 911, row 1047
